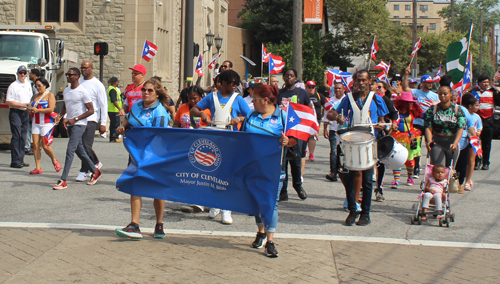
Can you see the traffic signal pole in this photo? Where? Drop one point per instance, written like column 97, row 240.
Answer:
column 101, row 66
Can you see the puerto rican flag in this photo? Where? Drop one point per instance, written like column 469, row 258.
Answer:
column 328, row 104
column 374, row 49
column 383, row 66
column 437, row 78
column 265, row 55
column 276, row 64
column 212, row 63
column 337, row 75
column 476, row 146
column 149, row 50
column 416, row 47
column 466, row 81
column 382, row 76
column 199, row 66
column 301, row 121
column 49, row 137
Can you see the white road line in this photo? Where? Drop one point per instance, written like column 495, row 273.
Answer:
column 23, row 225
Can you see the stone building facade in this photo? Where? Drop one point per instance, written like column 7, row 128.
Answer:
column 125, row 25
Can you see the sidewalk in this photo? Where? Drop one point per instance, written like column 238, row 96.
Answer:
column 52, row 255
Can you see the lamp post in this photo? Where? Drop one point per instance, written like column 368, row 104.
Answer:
column 218, row 43
column 210, row 39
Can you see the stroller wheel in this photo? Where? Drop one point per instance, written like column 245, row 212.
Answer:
column 419, row 220
column 440, row 222
column 452, row 217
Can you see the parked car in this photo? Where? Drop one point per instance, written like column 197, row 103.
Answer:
column 496, row 123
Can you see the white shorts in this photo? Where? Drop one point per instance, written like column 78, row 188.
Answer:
column 41, row 129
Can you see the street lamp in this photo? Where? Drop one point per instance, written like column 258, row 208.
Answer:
column 218, row 43
column 210, row 39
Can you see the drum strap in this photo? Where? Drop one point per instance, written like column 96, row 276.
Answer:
column 361, row 115
column 222, row 114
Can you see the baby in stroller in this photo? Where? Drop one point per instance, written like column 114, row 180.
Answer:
column 434, row 187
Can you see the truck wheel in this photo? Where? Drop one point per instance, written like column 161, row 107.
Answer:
column 63, row 131
column 4, row 146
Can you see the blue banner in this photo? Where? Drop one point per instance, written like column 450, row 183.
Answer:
column 230, row 170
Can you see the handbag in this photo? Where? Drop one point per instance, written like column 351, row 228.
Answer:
column 292, row 153
column 413, row 139
column 453, row 186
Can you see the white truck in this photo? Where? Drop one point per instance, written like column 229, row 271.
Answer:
column 34, row 46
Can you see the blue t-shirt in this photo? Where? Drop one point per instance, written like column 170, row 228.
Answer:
column 155, row 115
column 239, row 107
column 472, row 120
column 425, row 100
column 378, row 108
column 271, row 125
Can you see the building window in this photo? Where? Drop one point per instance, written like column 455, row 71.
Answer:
column 396, row 7
column 432, row 26
column 424, row 17
column 424, row 8
column 396, row 22
column 407, row 17
column 396, row 17
column 408, row 7
column 51, row 10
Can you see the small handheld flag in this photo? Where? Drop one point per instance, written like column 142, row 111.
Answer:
column 212, row 64
column 199, row 66
column 301, row 122
column 265, row 55
column 374, row 50
column 149, row 50
column 416, row 47
column 276, row 64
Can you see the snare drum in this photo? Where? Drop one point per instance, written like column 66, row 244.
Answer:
column 359, row 150
column 392, row 153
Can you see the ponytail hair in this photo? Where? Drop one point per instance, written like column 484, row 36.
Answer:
column 267, row 91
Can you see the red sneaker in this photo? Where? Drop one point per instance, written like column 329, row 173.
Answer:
column 57, row 166
column 61, row 184
column 35, row 172
column 95, row 176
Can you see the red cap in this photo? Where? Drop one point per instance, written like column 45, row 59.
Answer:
column 139, row 68
column 310, row 83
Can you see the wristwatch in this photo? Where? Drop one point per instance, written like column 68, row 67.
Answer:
column 76, row 118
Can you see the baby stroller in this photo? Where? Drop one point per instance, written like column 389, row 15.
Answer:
column 447, row 216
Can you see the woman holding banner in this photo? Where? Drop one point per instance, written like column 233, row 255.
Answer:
column 151, row 111
column 268, row 119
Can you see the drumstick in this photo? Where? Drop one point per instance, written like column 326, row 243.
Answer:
column 372, row 124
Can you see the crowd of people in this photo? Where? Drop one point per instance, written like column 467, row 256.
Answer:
column 408, row 112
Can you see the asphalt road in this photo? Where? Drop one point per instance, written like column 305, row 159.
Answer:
column 30, row 198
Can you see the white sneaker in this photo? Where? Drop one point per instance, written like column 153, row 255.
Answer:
column 98, row 166
column 226, row 217
column 213, row 213
column 81, row 177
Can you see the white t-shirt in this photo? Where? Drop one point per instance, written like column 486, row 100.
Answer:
column 249, row 102
column 75, row 100
column 97, row 93
column 20, row 92
column 334, row 125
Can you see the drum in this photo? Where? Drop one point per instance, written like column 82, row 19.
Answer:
column 392, row 153
column 359, row 150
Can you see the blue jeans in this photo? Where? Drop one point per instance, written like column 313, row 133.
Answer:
column 271, row 228
column 332, row 137
column 367, row 184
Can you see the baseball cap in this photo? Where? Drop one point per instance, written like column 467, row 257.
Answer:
column 311, row 83
column 397, row 77
column 426, row 78
column 22, row 68
column 139, row 68
column 412, row 81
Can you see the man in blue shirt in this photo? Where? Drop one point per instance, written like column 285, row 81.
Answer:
column 377, row 111
column 425, row 98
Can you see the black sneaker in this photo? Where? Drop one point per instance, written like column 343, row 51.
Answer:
column 159, row 234
column 331, row 177
column 271, row 250
column 477, row 166
column 363, row 220
column 259, row 240
column 25, row 164
column 301, row 193
column 485, row 167
column 283, row 197
column 351, row 218
column 131, row 231
column 16, row 165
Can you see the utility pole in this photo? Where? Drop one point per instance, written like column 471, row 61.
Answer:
column 481, row 45
column 496, row 53
column 452, row 17
column 414, row 38
column 189, row 39
column 297, row 38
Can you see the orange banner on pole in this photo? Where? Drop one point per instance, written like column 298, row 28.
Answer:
column 313, row 11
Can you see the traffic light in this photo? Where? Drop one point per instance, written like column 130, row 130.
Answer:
column 101, row 48
column 196, row 50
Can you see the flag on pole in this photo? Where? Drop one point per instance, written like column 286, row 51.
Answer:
column 383, row 77
column 374, row 49
column 276, row 64
column 199, row 66
column 416, row 47
column 437, row 78
column 301, row 121
column 466, row 81
column 149, row 50
column 383, row 66
column 212, row 63
column 456, row 57
column 336, row 75
column 265, row 55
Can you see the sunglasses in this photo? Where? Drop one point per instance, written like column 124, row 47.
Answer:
column 135, row 74
column 38, row 86
column 70, row 74
column 144, row 90
column 256, row 99
column 224, row 66
column 23, row 73
column 311, row 87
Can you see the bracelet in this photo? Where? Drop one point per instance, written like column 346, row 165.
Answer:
column 238, row 118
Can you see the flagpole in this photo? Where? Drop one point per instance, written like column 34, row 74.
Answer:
column 142, row 50
column 284, row 131
column 262, row 62
column 370, row 59
column 467, row 57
